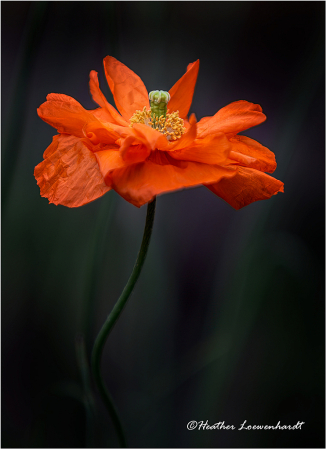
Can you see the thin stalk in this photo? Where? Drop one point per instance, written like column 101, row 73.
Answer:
column 112, row 319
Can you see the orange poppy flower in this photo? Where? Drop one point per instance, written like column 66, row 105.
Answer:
column 141, row 155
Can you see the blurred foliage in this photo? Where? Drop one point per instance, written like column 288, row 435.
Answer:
column 227, row 320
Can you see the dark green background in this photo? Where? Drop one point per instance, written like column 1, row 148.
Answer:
column 227, row 320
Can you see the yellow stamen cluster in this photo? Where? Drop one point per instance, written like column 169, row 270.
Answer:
column 141, row 117
column 171, row 126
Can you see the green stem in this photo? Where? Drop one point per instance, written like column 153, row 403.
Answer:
column 112, row 319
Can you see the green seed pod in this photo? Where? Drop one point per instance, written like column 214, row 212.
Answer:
column 159, row 100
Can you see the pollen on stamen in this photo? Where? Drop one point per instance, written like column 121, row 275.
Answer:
column 172, row 127
column 143, row 116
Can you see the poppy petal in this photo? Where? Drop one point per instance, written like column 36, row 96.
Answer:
column 250, row 153
column 246, row 186
column 210, row 150
column 69, row 174
column 164, row 158
column 233, row 118
column 128, row 90
column 183, row 90
column 102, row 115
column 139, row 183
column 109, row 160
column 100, row 99
column 148, row 136
column 133, row 153
column 65, row 114
column 97, row 132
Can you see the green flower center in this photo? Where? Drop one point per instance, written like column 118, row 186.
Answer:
column 159, row 100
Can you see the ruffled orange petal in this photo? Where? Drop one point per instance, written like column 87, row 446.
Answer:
column 128, row 90
column 65, row 114
column 183, row 90
column 139, row 183
column 103, row 115
column 69, row 174
column 97, row 133
column 233, row 118
column 210, row 150
column 133, row 153
column 100, row 99
column 164, row 158
column 246, row 186
column 148, row 136
column 250, row 153
column 125, row 145
column 110, row 160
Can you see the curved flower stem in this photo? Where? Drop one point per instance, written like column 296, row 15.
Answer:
column 112, row 318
